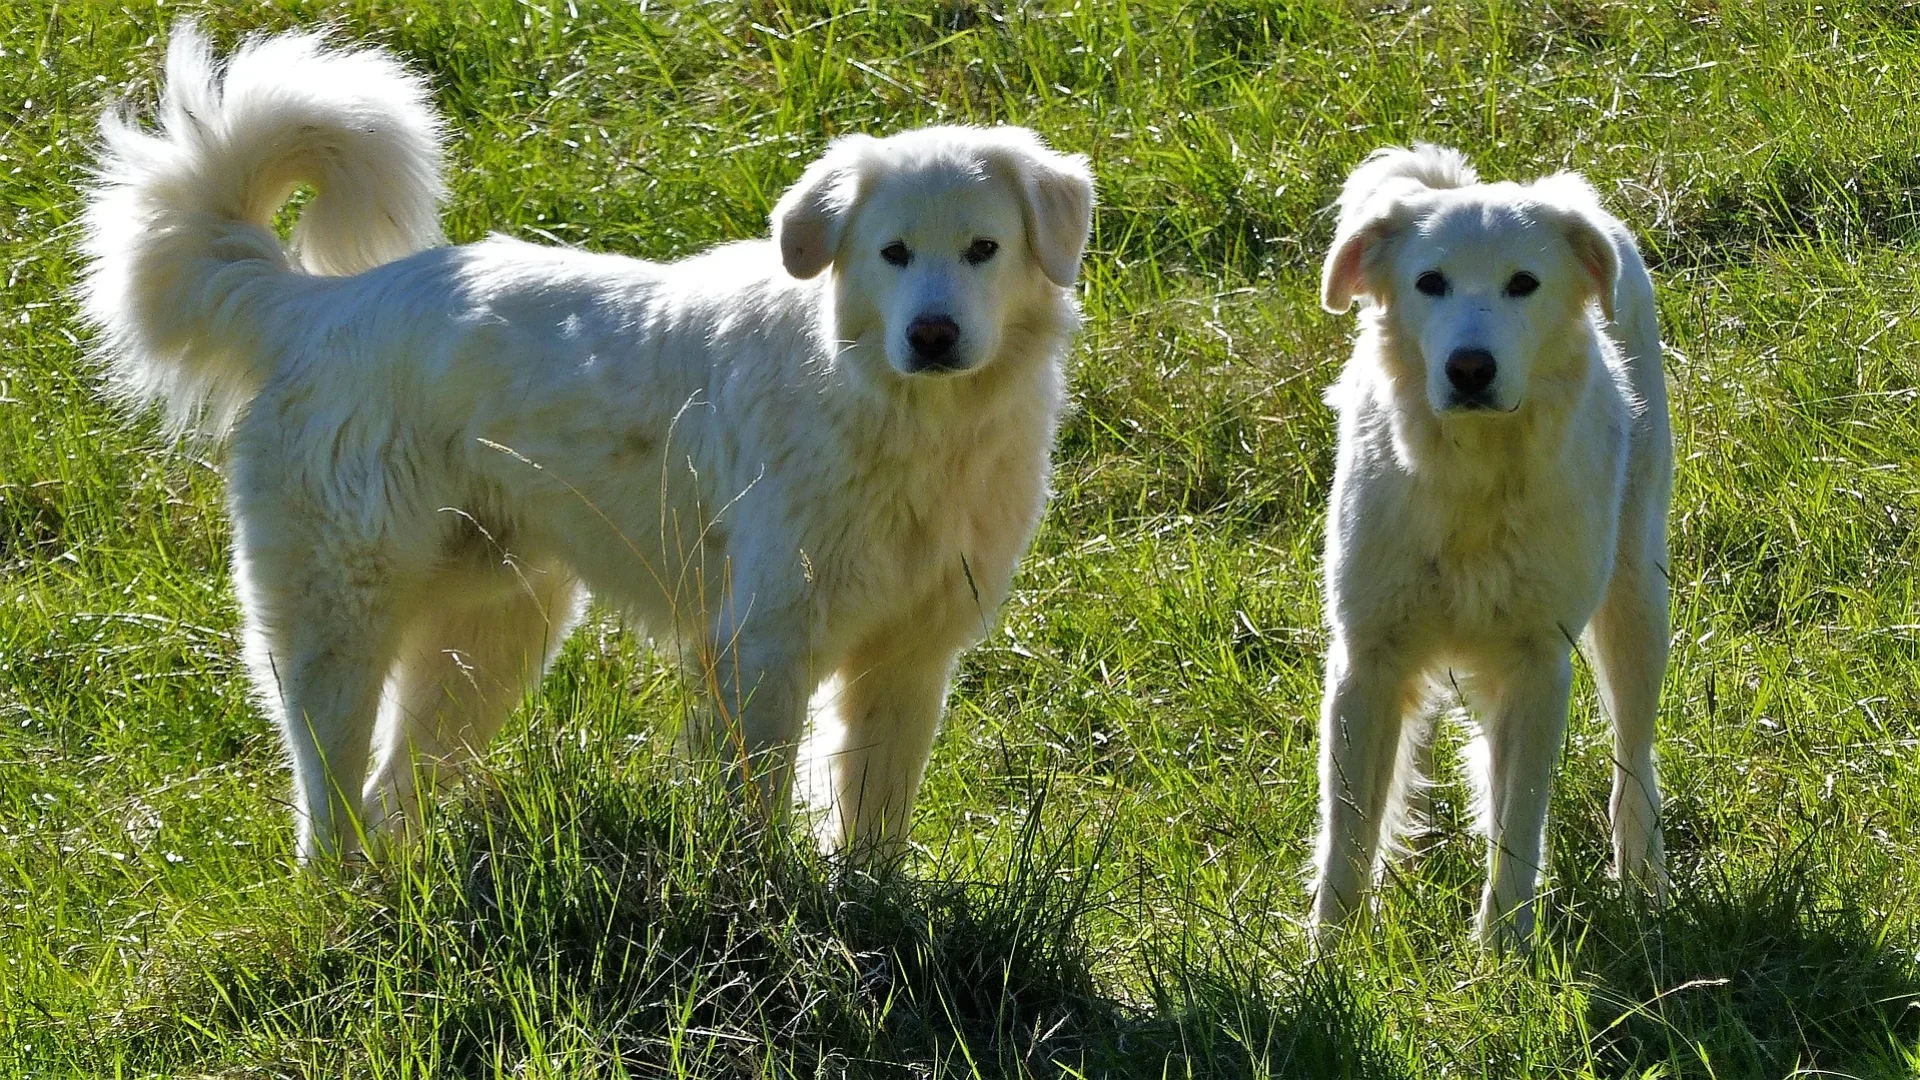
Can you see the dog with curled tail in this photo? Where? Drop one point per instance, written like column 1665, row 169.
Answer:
column 1501, row 491
column 807, row 465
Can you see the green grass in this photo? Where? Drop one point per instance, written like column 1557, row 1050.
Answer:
column 1118, row 813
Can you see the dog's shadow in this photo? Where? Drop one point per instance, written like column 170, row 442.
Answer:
column 851, row 973
column 1751, row 967
column 1765, row 968
column 565, row 912
column 644, row 918
column 1750, row 974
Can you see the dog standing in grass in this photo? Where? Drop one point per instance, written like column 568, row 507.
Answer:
column 810, row 463
column 1502, row 483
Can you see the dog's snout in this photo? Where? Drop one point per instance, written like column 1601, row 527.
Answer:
column 932, row 338
column 1470, row 370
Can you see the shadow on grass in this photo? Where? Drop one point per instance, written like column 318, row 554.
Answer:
column 1788, row 199
column 570, row 922
column 1761, row 975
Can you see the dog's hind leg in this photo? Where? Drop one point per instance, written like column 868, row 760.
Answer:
column 461, row 670
column 1627, row 644
column 1523, row 733
column 1361, row 717
column 1409, row 810
column 319, row 642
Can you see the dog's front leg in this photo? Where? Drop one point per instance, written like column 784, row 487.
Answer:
column 758, row 683
column 1360, row 720
column 1523, row 746
column 888, row 712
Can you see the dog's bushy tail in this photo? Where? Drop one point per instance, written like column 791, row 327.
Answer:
column 185, row 270
column 1396, row 168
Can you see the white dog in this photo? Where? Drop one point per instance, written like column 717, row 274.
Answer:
column 811, row 463
column 1502, row 485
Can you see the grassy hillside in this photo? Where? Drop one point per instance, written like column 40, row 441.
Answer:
column 1117, row 817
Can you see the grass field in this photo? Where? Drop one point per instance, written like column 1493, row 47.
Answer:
column 1117, row 817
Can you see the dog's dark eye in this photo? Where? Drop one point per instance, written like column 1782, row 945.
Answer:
column 896, row 253
column 1522, row 284
column 981, row 250
column 1432, row 283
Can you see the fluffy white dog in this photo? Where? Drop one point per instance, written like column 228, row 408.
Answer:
column 1502, row 485
column 810, row 463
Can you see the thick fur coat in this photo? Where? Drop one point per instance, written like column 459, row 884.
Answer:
column 1501, row 488
column 807, row 465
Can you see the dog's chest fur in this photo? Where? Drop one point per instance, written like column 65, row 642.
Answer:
column 1524, row 549
column 944, row 493
column 1496, row 530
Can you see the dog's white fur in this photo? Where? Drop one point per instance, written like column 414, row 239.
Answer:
column 1471, row 539
column 432, row 450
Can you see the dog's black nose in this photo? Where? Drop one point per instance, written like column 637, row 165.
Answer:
column 1470, row 370
column 932, row 338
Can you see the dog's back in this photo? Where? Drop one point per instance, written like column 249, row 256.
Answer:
column 1635, row 330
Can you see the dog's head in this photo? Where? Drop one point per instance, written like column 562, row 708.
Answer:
column 939, row 238
column 1484, row 285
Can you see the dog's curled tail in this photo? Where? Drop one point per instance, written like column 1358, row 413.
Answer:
column 1396, row 169
column 184, row 268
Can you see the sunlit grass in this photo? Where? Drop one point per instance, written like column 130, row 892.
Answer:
column 1118, row 814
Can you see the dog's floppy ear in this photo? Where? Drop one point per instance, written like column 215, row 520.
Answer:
column 1372, row 206
column 810, row 218
column 1575, row 206
column 1056, row 192
column 1355, row 248
column 1598, row 258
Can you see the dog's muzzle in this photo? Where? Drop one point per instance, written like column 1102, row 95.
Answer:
column 1470, row 372
column 931, row 341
